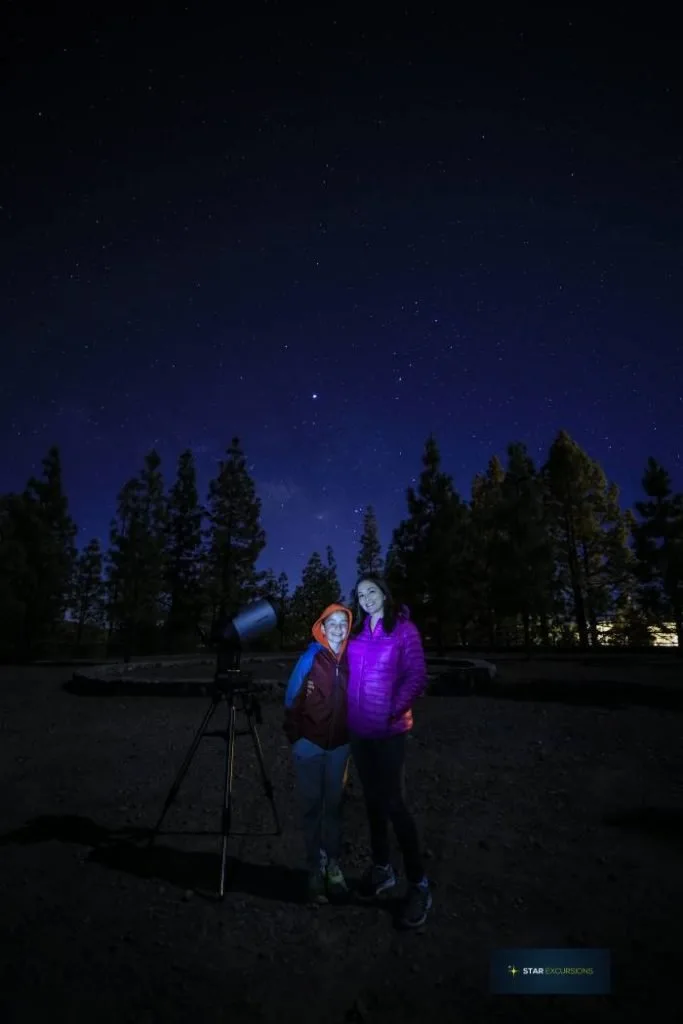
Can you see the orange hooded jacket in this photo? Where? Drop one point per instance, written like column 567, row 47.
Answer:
column 319, row 715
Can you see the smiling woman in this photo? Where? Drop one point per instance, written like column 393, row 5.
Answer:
column 387, row 672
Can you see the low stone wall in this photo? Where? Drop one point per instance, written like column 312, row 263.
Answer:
column 194, row 677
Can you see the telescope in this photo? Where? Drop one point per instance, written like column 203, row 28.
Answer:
column 229, row 635
column 234, row 688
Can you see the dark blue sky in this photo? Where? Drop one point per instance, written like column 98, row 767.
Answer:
column 472, row 230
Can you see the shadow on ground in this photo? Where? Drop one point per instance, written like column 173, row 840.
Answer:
column 661, row 823
column 127, row 850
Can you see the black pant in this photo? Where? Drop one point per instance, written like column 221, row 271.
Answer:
column 381, row 768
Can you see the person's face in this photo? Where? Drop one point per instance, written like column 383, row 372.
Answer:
column 336, row 627
column 370, row 598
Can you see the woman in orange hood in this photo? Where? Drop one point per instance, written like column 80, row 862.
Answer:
column 315, row 723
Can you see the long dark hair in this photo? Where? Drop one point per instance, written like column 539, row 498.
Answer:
column 390, row 611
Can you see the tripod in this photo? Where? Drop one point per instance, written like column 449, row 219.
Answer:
column 230, row 685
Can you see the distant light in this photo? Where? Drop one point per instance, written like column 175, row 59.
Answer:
column 314, row 396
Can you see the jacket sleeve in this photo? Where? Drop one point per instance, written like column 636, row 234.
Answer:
column 296, row 679
column 292, row 725
column 413, row 678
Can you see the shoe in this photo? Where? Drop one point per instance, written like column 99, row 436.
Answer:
column 315, row 892
column 377, row 879
column 417, row 906
column 336, row 883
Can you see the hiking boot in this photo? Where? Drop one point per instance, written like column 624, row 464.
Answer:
column 417, row 906
column 336, row 883
column 377, row 879
column 315, row 892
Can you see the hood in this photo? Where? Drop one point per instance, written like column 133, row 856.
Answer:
column 318, row 632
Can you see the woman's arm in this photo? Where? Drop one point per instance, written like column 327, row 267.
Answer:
column 413, row 677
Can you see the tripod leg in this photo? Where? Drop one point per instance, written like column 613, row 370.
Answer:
column 227, row 795
column 267, row 784
column 182, row 772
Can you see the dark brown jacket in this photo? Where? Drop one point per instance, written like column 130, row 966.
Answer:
column 319, row 715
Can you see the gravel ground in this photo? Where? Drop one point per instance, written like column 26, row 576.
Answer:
column 546, row 823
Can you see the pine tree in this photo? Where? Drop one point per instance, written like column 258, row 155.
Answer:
column 485, row 545
column 276, row 590
column 586, row 521
column 333, row 576
column 236, row 537
column 48, row 534
column 429, row 548
column 658, row 546
column 526, row 563
column 88, row 594
column 15, row 575
column 267, row 585
column 319, row 588
column 369, row 558
column 282, row 605
column 137, row 558
column 183, row 556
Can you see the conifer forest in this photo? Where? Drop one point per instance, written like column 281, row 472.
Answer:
column 535, row 557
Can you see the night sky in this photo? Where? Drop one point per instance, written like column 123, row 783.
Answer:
column 330, row 237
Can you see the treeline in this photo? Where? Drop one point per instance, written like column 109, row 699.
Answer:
column 535, row 557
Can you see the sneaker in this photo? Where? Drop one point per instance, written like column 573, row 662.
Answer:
column 316, row 889
column 417, row 906
column 336, row 883
column 377, row 879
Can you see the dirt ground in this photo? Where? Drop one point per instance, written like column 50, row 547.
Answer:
column 548, row 821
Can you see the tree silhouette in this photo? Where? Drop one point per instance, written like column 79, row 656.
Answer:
column 526, row 564
column 658, row 542
column 183, row 554
column 236, row 537
column 536, row 556
column 428, row 549
column 137, row 558
column 37, row 556
column 585, row 521
column 319, row 588
column 369, row 559
column 88, row 591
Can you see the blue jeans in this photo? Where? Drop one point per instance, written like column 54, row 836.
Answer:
column 320, row 782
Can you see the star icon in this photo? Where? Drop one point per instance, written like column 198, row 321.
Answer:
column 513, row 970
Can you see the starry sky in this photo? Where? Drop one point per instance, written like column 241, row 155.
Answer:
column 330, row 236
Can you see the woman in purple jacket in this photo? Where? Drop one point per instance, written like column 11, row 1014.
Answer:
column 387, row 672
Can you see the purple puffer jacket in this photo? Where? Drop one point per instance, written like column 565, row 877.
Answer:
column 386, row 674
